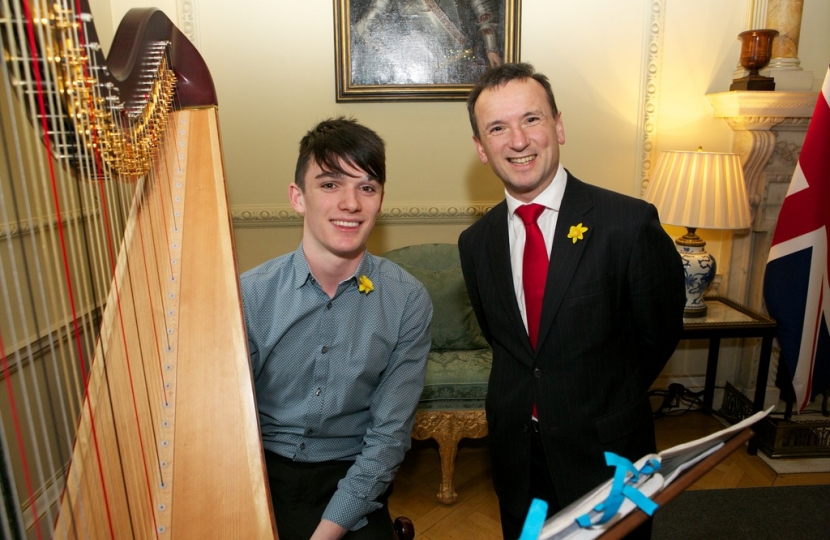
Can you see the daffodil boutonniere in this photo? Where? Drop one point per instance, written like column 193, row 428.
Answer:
column 365, row 285
column 576, row 232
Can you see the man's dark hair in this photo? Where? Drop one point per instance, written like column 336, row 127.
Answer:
column 343, row 140
column 501, row 75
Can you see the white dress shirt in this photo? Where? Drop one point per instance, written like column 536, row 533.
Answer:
column 551, row 199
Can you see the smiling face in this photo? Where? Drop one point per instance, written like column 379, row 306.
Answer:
column 339, row 212
column 519, row 136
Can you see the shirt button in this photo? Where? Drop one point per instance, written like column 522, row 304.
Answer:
column 309, row 432
column 318, row 392
column 537, row 373
column 328, row 306
column 325, row 350
column 302, row 446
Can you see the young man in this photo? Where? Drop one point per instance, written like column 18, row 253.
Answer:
column 578, row 340
column 338, row 340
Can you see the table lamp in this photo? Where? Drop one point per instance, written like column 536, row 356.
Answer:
column 699, row 190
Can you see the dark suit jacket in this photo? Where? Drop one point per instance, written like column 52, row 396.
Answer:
column 611, row 318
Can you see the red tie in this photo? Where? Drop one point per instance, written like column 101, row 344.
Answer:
column 534, row 267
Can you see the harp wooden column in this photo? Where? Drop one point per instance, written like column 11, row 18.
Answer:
column 219, row 484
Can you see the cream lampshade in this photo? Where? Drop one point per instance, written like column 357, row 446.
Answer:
column 699, row 190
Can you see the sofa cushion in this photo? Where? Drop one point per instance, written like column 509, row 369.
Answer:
column 456, row 379
column 454, row 324
column 438, row 267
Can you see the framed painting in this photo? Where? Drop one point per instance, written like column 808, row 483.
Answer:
column 420, row 50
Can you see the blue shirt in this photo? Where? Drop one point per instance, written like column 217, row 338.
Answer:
column 338, row 378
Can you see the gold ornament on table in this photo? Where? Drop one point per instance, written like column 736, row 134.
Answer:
column 756, row 52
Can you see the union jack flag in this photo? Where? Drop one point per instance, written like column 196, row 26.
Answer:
column 796, row 287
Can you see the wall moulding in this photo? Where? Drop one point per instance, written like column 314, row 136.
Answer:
column 44, row 225
column 788, row 152
column 188, row 19
column 250, row 216
column 745, row 104
column 32, row 349
column 755, row 148
column 765, row 123
column 651, row 67
column 755, row 117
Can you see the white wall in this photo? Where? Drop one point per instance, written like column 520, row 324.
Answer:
column 273, row 66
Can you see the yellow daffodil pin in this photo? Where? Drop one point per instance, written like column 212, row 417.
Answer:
column 576, row 232
column 365, row 285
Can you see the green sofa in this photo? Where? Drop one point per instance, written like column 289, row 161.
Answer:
column 452, row 403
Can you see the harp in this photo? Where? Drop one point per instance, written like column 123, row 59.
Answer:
column 126, row 399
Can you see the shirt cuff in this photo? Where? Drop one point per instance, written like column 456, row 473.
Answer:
column 348, row 511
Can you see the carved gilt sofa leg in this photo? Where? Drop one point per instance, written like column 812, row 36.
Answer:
column 447, row 428
column 447, row 449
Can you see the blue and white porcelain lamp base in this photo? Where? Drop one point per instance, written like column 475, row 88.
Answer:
column 700, row 269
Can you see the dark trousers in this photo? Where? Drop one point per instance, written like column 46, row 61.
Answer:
column 300, row 493
column 541, row 487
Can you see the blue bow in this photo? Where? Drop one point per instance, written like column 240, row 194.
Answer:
column 622, row 489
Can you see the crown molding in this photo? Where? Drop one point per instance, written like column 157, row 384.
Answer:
column 254, row 216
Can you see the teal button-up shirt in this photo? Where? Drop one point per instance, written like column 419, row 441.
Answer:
column 338, row 378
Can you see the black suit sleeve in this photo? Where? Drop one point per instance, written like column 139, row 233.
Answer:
column 657, row 290
column 466, row 248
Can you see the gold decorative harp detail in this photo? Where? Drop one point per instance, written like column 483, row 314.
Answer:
column 126, row 400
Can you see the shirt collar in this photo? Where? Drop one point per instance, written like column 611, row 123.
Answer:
column 550, row 198
column 302, row 272
column 365, row 267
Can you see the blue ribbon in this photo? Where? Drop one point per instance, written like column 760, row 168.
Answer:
column 535, row 520
column 621, row 488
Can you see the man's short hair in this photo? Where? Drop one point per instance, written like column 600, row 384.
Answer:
column 501, row 75
column 342, row 140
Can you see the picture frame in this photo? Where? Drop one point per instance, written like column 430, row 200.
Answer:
column 420, row 50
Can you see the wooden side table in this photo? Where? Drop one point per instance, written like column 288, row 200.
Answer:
column 726, row 318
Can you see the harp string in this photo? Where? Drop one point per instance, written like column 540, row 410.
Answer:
column 74, row 284
column 131, row 282
column 16, row 416
column 41, row 95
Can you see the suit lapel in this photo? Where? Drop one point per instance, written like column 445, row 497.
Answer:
column 565, row 253
column 498, row 254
